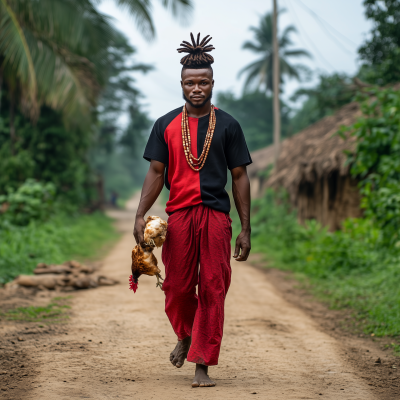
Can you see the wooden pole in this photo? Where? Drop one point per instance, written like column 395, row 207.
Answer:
column 276, row 82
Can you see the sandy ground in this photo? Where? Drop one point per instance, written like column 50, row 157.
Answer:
column 117, row 345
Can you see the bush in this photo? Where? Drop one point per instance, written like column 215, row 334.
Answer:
column 348, row 268
column 32, row 201
column 377, row 160
column 60, row 238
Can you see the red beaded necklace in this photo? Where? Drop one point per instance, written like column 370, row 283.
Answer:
column 197, row 163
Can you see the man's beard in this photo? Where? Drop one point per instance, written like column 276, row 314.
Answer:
column 197, row 105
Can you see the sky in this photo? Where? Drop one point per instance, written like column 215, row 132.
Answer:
column 332, row 38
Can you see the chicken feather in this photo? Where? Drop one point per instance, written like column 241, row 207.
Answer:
column 143, row 259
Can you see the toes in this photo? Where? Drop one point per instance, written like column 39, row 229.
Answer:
column 207, row 384
column 180, row 361
column 195, row 384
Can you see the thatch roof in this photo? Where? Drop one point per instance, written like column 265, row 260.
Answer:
column 315, row 151
column 261, row 160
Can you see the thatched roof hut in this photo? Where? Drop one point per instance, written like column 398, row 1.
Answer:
column 312, row 168
column 262, row 160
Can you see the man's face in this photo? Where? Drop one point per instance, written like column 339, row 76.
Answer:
column 197, row 85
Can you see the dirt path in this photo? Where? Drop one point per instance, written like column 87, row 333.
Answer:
column 117, row 345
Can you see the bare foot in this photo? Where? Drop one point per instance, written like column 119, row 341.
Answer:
column 201, row 378
column 178, row 355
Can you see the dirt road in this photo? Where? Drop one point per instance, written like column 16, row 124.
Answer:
column 117, row 345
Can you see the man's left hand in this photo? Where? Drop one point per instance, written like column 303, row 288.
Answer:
column 242, row 246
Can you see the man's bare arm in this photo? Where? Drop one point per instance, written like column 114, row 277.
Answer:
column 241, row 195
column 152, row 187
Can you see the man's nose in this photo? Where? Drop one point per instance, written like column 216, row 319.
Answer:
column 197, row 89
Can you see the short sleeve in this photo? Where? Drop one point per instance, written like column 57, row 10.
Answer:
column 156, row 147
column 236, row 151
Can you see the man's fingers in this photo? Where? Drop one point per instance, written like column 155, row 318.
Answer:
column 244, row 255
column 237, row 249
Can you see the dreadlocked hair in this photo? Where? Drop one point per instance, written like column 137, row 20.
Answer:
column 197, row 57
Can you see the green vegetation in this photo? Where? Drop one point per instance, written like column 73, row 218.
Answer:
column 65, row 79
column 348, row 268
column 358, row 266
column 380, row 54
column 60, row 238
column 377, row 161
column 260, row 72
column 325, row 98
column 52, row 313
column 395, row 347
column 254, row 113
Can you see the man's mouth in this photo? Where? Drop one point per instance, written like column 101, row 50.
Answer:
column 197, row 97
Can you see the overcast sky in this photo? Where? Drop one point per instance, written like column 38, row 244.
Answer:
column 228, row 22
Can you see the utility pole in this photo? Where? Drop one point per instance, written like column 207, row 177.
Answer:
column 276, row 82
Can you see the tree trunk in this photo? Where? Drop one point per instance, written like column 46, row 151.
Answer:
column 276, row 81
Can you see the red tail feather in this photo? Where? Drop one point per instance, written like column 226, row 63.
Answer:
column 132, row 284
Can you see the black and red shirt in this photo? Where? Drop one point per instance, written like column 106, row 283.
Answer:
column 187, row 187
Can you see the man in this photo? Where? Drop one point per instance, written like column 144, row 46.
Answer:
column 194, row 147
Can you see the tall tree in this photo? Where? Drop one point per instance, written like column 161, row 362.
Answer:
column 327, row 96
column 53, row 51
column 254, row 113
column 381, row 52
column 260, row 72
column 141, row 10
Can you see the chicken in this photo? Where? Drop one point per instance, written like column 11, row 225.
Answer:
column 143, row 259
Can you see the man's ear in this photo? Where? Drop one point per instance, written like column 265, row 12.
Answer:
column 182, row 84
column 213, row 83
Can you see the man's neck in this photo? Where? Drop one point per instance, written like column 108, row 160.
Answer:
column 198, row 112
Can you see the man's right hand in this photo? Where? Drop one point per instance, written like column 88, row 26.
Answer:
column 152, row 186
column 138, row 231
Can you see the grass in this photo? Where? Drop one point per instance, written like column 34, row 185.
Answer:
column 54, row 312
column 395, row 347
column 61, row 238
column 347, row 269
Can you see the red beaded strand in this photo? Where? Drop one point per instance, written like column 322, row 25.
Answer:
column 197, row 163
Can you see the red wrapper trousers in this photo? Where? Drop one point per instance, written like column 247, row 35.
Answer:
column 197, row 251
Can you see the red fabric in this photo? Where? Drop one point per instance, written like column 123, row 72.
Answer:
column 198, row 235
column 184, row 182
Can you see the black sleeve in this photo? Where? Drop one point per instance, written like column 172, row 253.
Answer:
column 236, row 151
column 156, row 148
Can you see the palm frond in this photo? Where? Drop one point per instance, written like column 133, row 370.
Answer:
column 262, row 43
column 16, row 53
column 297, row 53
column 255, row 64
column 141, row 12
column 256, row 48
column 180, row 9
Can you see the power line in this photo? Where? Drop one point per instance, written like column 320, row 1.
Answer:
column 308, row 38
column 325, row 29
column 323, row 23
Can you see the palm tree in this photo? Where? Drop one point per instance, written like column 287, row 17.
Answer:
column 54, row 52
column 260, row 72
column 141, row 11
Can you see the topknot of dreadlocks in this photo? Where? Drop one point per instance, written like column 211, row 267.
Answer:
column 198, row 52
